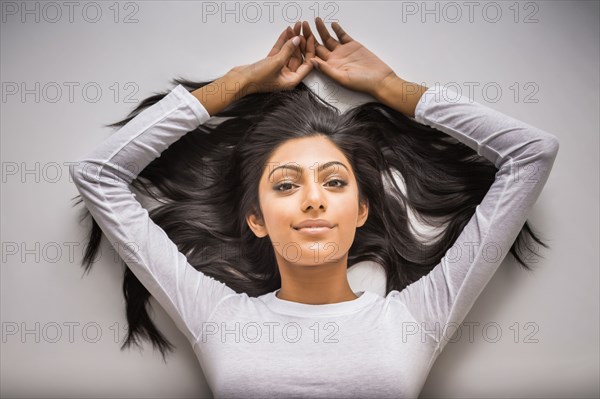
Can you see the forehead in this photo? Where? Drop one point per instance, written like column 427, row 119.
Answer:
column 305, row 152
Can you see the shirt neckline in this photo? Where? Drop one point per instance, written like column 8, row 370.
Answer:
column 283, row 306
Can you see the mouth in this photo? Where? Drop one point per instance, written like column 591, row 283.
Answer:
column 313, row 230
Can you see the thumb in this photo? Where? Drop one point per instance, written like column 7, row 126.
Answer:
column 288, row 49
column 323, row 67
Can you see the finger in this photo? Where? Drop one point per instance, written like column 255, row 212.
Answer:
column 302, row 47
column 306, row 31
column 297, row 27
column 322, row 50
column 286, row 52
column 310, row 48
column 279, row 43
column 296, row 59
column 326, row 38
column 326, row 69
column 303, row 43
column 304, row 70
column 339, row 32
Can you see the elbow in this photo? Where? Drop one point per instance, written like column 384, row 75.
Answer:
column 540, row 151
column 84, row 172
column 90, row 172
column 544, row 147
column 548, row 146
column 553, row 145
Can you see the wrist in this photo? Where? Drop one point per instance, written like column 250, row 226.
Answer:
column 221, row 92
column 400, row 95
column 237, row 83
column 381, row 90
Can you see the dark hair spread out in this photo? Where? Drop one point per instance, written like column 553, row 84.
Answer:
column 207, row 182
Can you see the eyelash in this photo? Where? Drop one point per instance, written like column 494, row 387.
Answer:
column 342, row 184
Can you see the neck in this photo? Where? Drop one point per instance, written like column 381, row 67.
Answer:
column 315, row 284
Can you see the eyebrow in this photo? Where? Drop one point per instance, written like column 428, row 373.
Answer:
column 299, row 169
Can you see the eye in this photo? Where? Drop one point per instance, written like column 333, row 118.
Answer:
column 341, row 183
column 285, row 184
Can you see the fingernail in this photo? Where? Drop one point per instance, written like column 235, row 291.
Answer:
column 296, row 40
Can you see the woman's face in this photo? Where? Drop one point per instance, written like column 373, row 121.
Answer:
column 292, row 189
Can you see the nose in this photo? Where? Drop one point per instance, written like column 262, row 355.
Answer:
column 314, row 197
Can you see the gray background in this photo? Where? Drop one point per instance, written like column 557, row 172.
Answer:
column 61, row 331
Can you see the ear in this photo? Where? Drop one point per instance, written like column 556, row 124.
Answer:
column 256, row 224
column 363, row 213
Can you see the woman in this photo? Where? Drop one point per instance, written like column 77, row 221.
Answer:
column 288, row 194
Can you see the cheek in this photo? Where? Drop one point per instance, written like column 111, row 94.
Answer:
column 278, row 217
column 346, row 207
column 278, row 213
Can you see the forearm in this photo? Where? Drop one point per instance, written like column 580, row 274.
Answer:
column 219, row 94
column 400, row 95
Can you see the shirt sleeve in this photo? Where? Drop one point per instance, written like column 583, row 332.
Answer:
column 103, row 178
column 524, row 156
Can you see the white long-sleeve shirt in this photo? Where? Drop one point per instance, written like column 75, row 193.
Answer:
column 372, row 346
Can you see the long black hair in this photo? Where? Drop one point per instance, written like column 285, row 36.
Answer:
column 206, row 184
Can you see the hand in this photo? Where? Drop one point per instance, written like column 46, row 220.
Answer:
column 347, row 62
column 282, row 69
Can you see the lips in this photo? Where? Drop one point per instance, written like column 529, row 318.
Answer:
column 314, row 223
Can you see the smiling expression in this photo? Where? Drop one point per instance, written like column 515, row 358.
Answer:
column 306, row 179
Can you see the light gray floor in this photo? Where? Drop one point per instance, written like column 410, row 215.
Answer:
column 64, row 75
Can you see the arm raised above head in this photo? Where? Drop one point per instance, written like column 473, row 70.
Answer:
column 103, row 179
column 524, row 156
